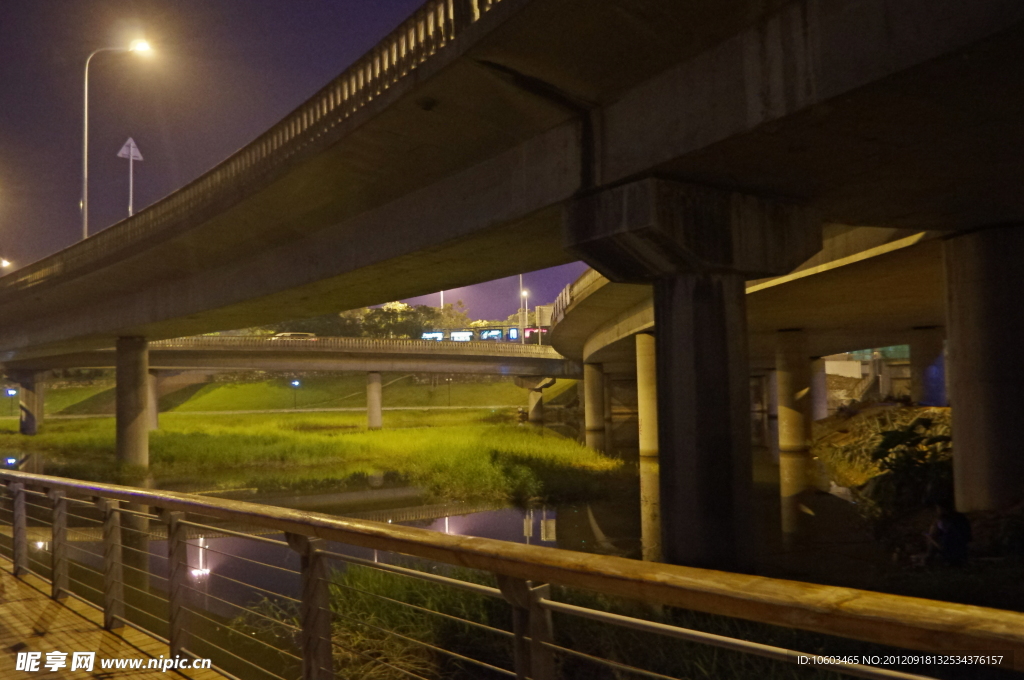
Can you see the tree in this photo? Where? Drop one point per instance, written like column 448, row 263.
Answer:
column 399, row 320
column 346, row 324
column 454, row 316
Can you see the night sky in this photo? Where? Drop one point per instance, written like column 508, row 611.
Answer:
column 222, row 72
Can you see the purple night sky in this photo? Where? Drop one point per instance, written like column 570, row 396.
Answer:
column 222, row 72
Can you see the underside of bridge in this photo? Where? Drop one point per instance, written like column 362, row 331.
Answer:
column 690, row 147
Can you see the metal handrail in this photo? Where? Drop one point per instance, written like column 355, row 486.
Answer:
column 426, row 32
column 890, row 620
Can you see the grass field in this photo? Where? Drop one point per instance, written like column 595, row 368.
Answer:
column 472, row 454
column 318, row 391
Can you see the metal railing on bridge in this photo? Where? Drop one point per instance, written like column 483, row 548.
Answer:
column 432, row 27
column 314, row 596
column 362, row 345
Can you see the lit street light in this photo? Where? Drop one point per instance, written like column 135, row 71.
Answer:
column 524, row 315
column 139, row 46
column 4, row 263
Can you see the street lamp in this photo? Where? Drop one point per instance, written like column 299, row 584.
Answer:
column 139, row 46
column 4, row 263
column 524, row 316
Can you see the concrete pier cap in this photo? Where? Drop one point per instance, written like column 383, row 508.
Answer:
column 698, row 245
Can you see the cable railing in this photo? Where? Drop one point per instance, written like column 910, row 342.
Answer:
column 362, row 345
column 430, row 29
column 292, row 594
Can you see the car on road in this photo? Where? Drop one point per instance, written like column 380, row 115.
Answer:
column 294, row 336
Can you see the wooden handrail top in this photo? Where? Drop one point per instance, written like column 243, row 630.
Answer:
column 891, row 620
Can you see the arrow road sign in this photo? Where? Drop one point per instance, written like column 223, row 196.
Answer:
column 130, row 150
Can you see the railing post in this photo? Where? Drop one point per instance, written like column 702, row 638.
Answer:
column 542, row 632
column 19, row 529
column 532, row 658
column 177, row 581
column 113, row 573
column 315, row 610
column 59, row 545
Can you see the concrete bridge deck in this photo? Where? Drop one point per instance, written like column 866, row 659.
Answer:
column 331, row 354
column 32, row 622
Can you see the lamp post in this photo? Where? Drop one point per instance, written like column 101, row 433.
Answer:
column 524, row 316
column 140, row 46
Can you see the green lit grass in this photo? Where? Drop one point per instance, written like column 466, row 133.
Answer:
column 468, row 455
column 327, row 391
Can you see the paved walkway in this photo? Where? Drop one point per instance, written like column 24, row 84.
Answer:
column 32, row 622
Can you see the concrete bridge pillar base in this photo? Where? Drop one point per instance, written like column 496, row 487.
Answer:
column 535, row 408
column 647, row 417
column 772, row 414
column 153, row 385
column 985, row 312
column 819, row 390
column 132, row 408
column 593, row 406
column 793, row 375
column 535, row 403
column 31, row 394
column 928, row 366
column 698, row 246
column 374, row 413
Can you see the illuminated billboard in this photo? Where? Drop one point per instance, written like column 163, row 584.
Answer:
column 491, row 334
column 513, row 333
column 462, row 336
column 433, row 335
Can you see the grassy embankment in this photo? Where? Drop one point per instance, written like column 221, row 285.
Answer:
column 478, row 454
column 318, row 391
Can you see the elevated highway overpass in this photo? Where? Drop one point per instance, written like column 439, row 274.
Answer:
column 692, row 145
column 532, row 365
column 331, row 354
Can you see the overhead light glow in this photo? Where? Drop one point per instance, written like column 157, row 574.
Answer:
column 4, row 262
column 140, row 46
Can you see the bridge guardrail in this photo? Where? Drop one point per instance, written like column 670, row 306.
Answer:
column 430, row 28
column 481, row 348
column 310, row 618
column 572, row 292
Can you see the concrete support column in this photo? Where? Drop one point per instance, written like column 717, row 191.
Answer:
column 772, row 380
column 928, row 366
column 31, row 395
column 697, row 245
column 609, row 437
column 153, row 385
column 793, row 377
column 819, row 390
column 374, row 413
column 132, row 409
column 535, row 407
column 704, row 418
column 985, row 314
column 593, row 405
column 647, row 416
